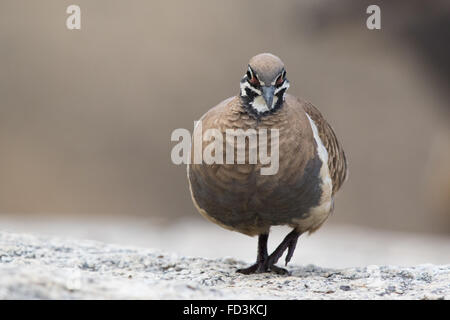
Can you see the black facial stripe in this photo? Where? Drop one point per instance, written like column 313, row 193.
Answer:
column 248, row 98
column 251, row 93
column 280, row 101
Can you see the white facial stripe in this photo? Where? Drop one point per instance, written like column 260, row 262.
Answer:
column 284, row 86
column 274, row 102
column 245, row 85
column 283, row 74
column 250, row 70
column 255, row 75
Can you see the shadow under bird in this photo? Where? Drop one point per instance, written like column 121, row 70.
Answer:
column 312, row 165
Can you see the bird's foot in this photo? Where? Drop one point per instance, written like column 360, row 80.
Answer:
column 262, row 267
column 255, row 268
column 278, row 270
column 265, row 263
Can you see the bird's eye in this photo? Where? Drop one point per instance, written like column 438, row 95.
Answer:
column 252, row 79
column 280, row 79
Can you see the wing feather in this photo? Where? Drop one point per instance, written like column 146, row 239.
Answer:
column 337, row 162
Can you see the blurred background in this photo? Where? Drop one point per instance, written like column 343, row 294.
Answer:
column 86, row 117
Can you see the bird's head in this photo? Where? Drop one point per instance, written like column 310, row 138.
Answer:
column 264, row 84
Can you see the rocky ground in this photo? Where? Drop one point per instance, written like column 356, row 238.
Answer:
column 37, row 267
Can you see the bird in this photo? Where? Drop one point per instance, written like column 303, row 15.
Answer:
column 312, row 165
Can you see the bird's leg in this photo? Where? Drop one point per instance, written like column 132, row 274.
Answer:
column 289, row 242
column 260, row 265
column 291, row 247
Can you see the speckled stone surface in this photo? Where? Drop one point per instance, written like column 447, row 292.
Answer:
column 35, row 267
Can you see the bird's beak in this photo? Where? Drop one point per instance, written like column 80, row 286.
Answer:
column 268, row 92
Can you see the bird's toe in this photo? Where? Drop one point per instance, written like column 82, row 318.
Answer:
column 278, row 270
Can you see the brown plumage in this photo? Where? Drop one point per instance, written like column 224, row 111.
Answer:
column 300, row 194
